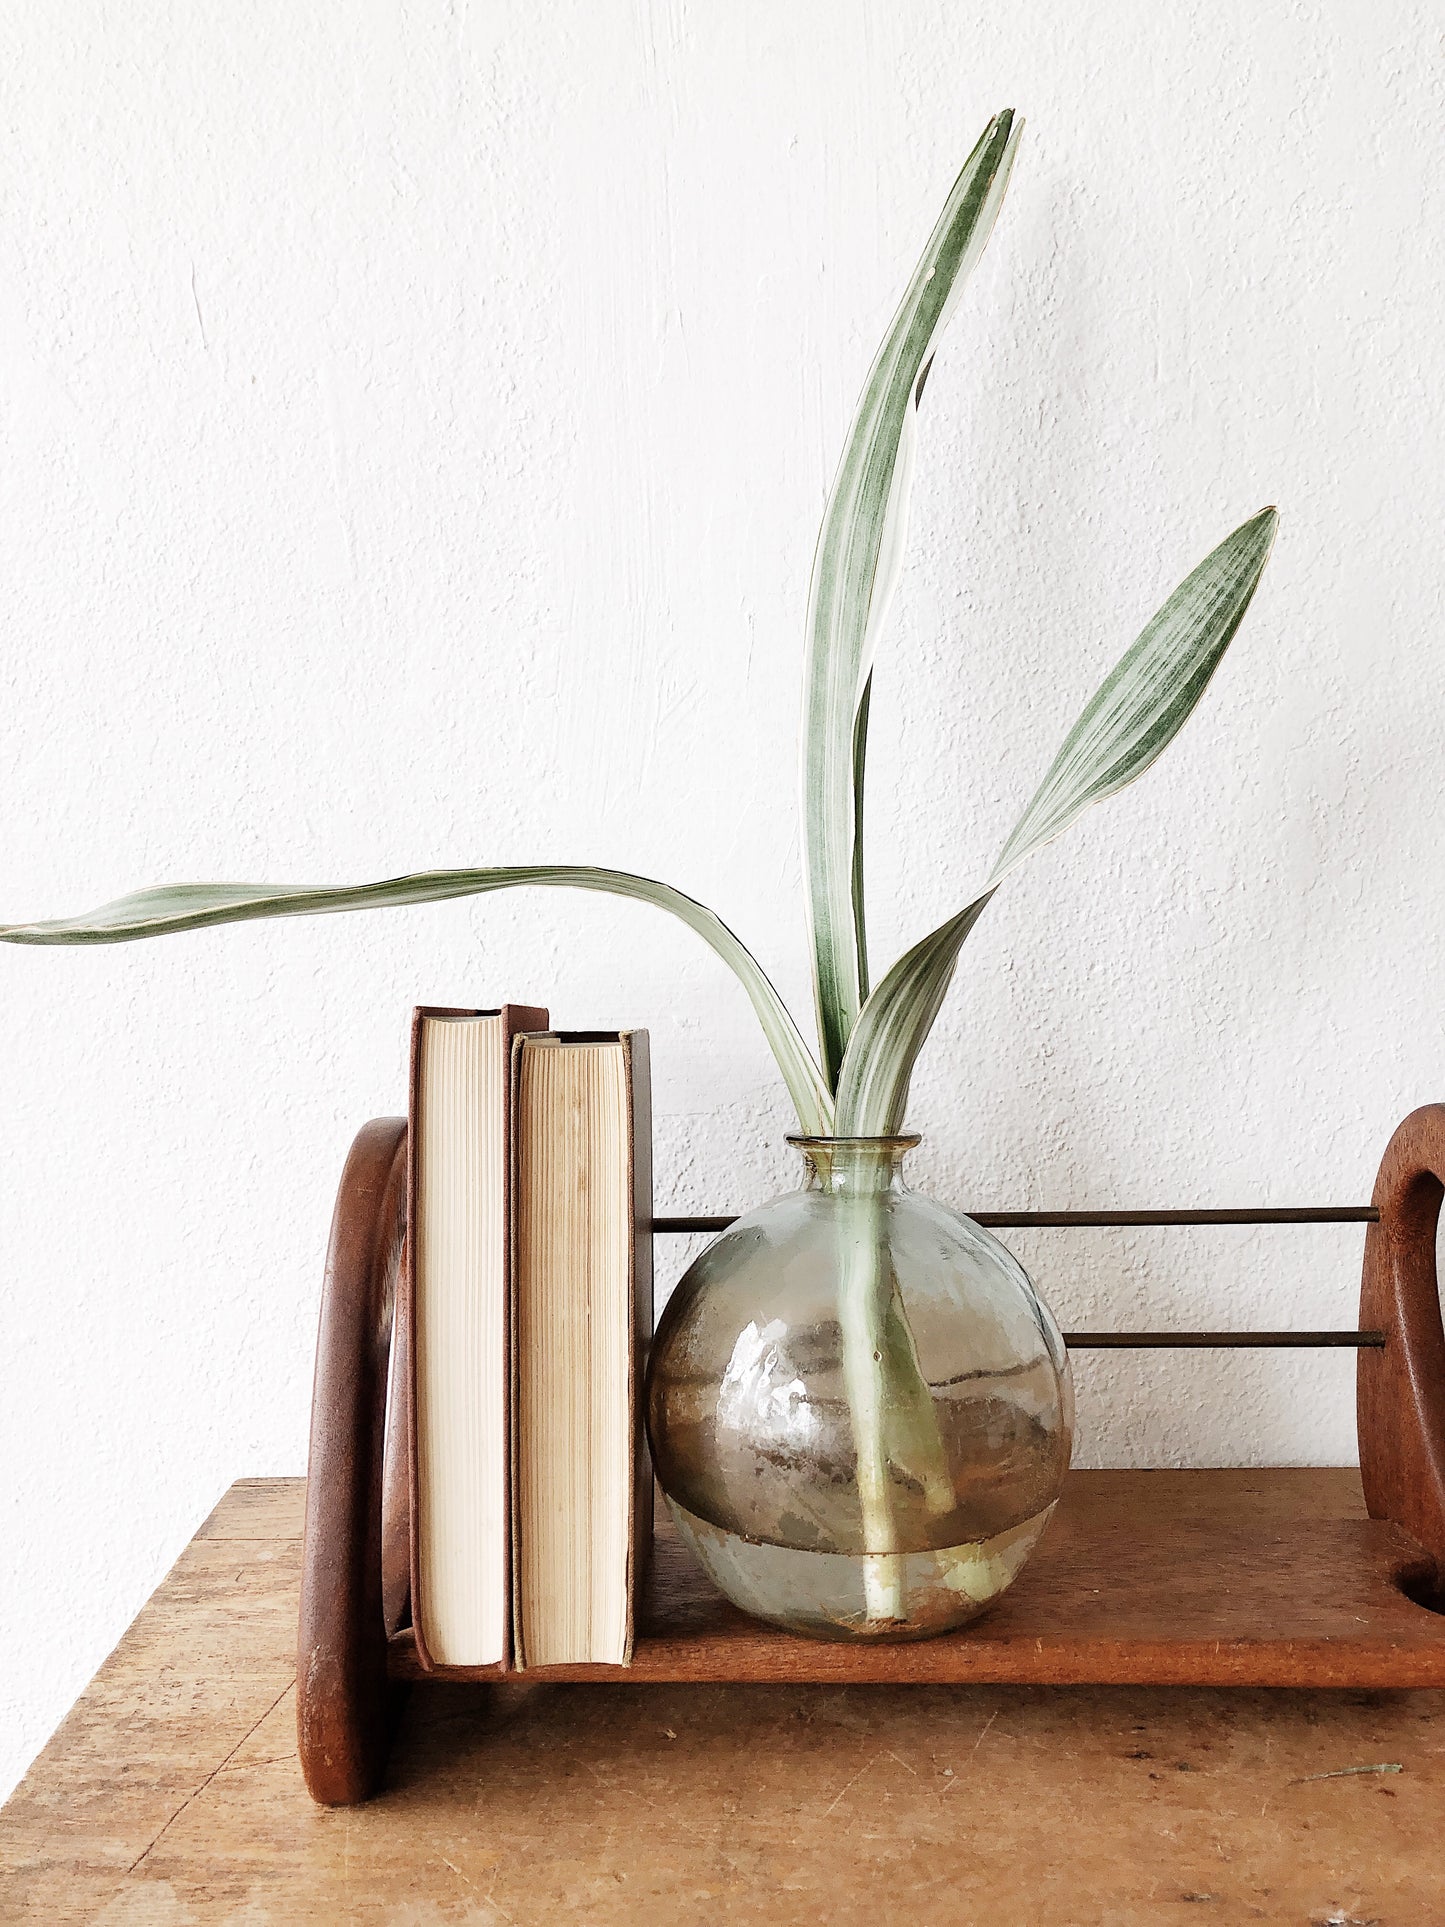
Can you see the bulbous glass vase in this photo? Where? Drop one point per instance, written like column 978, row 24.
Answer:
column 860, row 1410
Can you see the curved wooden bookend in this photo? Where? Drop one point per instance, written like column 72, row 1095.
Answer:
column 1401, row 1386
column 1207, row 1578
column 342, row 1695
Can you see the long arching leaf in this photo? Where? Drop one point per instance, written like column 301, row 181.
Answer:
column 193, row 906
column 860, row 548
column 1133, row 716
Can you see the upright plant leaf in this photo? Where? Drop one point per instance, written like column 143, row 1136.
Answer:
column 860, row 908
column 855, row 569
column 893, row 1028
column 193, row 906
column 1133, row 716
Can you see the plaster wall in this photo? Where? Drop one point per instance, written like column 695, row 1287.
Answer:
column 413, row 431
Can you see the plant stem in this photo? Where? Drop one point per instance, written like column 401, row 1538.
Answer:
column 865, row 1289
column 895, row 1425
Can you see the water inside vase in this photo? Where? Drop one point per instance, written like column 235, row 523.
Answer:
column 832, row 1595
column 859, row 1408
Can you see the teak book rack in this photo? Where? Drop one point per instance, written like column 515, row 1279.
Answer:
column 1248, row 1578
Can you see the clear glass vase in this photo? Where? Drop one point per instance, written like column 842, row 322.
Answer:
column 860, row 1410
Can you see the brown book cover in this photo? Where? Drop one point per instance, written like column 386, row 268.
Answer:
column 637, row 1064
column 515, row 1019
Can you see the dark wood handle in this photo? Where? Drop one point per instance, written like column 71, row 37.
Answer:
column 1401, row 1387
column 341, row 1682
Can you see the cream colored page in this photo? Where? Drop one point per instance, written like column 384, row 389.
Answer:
column 574, row 1332
column 611, row 1342
column 461, row 1309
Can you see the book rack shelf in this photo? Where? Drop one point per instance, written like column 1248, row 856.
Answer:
column 1271, row 1577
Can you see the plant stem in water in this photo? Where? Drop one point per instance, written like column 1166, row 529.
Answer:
column 865, row 1289
column 895, row 1426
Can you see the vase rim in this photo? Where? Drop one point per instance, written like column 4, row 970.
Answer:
column 885, row 1141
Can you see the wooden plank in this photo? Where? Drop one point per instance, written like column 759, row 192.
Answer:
column 209, row 1659
column 1143, row 1578
column 171, row 1794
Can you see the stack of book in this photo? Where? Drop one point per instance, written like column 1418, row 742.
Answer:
column 528, row 1296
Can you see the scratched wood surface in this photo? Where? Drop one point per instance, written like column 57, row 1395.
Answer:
column 171, row 1794
column 1248, row 1578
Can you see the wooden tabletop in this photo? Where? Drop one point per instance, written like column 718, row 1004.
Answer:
column 171, row 1794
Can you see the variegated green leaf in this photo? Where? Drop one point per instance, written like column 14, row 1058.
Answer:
column 859, row 552
column 193, row 906
column 1134, row 715
column 1139, row 709
column 860, row 760
column 893, row 1027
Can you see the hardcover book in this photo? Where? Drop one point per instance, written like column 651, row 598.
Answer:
column 455, row 1301
column 581, row 1318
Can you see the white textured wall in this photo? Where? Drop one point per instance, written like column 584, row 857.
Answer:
column 415, row 425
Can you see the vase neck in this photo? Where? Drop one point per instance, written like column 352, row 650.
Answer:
column 854, row 1166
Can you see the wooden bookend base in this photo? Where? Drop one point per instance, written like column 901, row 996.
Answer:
column 1253, row 1578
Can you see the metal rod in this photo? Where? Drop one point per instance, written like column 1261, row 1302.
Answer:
column 1222, row 1341
column 1296, row 1214
column 1158, row 1341
column 682, row 1225
column 1047, row 1220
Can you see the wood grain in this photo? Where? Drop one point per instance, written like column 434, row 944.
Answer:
column 1254, row 1578
column 1142, row 1578
column 172, row 1795
column 1401, row 1388
column 342, row 1704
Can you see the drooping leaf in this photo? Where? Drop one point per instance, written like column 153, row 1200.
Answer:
column 1133, row 716
column 855, row 568
column 193, row 906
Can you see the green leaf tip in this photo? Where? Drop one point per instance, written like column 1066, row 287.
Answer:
column 855, row 570
column 1133, row 716
column 1151, row 692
